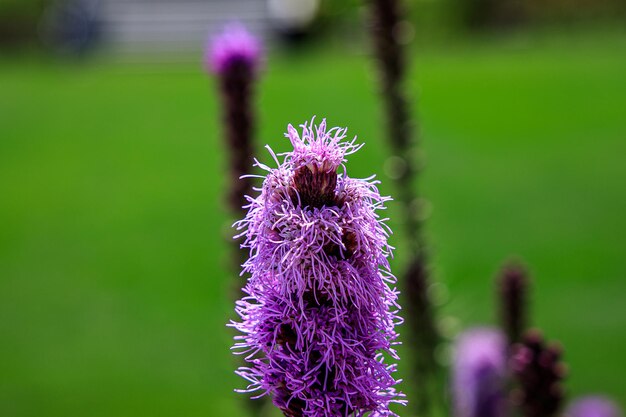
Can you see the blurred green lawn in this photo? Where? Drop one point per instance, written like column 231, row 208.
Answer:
column 114, row 275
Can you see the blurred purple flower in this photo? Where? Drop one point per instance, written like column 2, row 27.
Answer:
column 319, row 319
column 593, row 406
column 479, row 374
column 233, row 56
column 232, row 46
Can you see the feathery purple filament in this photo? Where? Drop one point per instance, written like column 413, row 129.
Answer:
column 319, row 317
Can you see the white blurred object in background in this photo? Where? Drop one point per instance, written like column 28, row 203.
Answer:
column 293, row 15
column 175, row 28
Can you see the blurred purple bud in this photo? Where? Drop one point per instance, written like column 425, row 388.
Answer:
column 479, row 374
column 593, row 406
column 539, row 371
column 233, row 56
column 235, row 45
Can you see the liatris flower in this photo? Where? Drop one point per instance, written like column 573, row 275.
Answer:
column 234, row 57
column 479, row 373
column 593, row 406
column 402, row 132
column 319, row 319
column 539, row 372
column 513, row 294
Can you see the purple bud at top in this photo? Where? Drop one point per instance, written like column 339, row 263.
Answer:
column 479, row 373
column 234, row 46
column 318, row 321
column 593, row 406
column 539, row 371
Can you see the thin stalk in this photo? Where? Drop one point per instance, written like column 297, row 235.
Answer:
column 402, row 132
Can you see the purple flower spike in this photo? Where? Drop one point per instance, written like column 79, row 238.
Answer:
column 235, row 45
column 233, row 56
column 479, row 374
column 318, row 321
column 593, row 406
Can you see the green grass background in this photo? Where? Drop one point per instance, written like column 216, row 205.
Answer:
column 114, row 275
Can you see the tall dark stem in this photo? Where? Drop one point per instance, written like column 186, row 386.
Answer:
column 513, row 285
column 236, row 88
column 236, row 83
column 402, row 132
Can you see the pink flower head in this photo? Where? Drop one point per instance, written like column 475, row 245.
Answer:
column 479, row 373
column 318, row 324
column 235, row 44
column 593, row 406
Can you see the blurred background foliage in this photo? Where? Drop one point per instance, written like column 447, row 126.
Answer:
column 19, row 21
column 114, row 271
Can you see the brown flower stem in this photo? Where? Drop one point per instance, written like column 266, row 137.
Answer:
column 402, row 132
